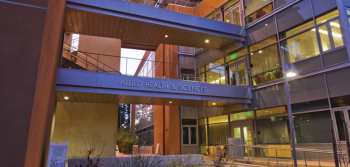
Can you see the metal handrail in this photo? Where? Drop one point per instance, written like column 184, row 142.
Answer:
column 87, row 55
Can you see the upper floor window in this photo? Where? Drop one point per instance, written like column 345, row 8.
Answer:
column 330, row 35
column 259, row 13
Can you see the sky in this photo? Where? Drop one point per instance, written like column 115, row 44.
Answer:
column 127, row 64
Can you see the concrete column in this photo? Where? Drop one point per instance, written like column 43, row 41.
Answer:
column 31, row 34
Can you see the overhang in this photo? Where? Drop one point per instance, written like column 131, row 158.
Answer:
column 140, row 90
column 145, row 27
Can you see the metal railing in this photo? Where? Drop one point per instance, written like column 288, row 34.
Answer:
column 147, row 68
column 85, row 60
column 251, row 154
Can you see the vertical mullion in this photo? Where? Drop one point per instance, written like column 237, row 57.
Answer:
column 330, row 36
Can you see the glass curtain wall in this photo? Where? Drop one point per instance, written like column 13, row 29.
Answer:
column 144, row 123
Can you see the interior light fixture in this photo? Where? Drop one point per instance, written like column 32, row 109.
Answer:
column 214, row 104
column 207, row 41
column 260, row 51
column 291, row 74
column 166, row 36
column 170, row 102
column 66, row 97
column 228, row 21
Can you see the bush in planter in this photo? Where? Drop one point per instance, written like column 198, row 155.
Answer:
column 126, row 140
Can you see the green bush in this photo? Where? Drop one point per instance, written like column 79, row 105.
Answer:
column 126, row 140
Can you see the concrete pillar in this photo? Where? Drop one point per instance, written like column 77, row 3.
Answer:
column 31, row 34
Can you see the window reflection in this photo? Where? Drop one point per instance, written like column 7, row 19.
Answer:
column 242, row 116
column 326, row 45
column 259, row 13
column 263, row 43
column 273, row 130
column 327, row 17
column 300, row 47
column 336, row 33
column 264, row 59
column 271, row 111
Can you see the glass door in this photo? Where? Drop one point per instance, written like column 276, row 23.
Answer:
column 238, row 73
column 243, row 129
column 233, row 15
column 339, row 117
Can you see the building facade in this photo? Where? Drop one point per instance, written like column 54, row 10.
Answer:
column 212, row 70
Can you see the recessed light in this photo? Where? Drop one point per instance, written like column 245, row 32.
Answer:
column 166, row 36
column 214, row 104
column 260, row 51
column 228, row 21
column 251, row 53
column 66, row 97
column 170, row 102
column 207, row 41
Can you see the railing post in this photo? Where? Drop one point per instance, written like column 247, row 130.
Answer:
column 318, row 157
column 334, row 144
column 305, row 159
column 247, row 151
column 234, row 147
column 276, row 157
column 98, row 59
column 268, row 157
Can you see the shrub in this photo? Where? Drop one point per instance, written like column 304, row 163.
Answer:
column 126, row 140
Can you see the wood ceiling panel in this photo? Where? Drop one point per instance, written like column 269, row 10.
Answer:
column 71, row 96
column 106, row 26
column 96, row 25
column 85, row 22
column 106, row 98
column 145, row 31
column 116, row 99
column 90, row 19
column 131, row 30
column 111, row 27
column 153, row 33
column 141, row 28
column 116, row 27
column 94, row 97
column 170, row 34
column 111, row 98
column 89, row 97
column 59, row 96
column 179, row 35
column 159, row 34
column 80, row 22
column 69, row 21
column 190, row 38
column 99, row 98
column 83, row 97
column 121, row 28
column 149, row 32
column 77, row 96
column 74, row 21
column 126, row 29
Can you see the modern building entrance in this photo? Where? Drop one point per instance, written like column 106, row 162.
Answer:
column 243, row 129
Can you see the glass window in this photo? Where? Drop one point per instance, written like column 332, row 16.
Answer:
column 264, row 59
column 339, row 120
column 259, row 13
column 300, row 47
column 185, row 135
column 202, row 121
column 297, row 29
column 263, row 43
column 253, row 5
column 279, row 3
column 228, row 17
column 295, row 19
column 216, row 76
column 242, row 116
column 218, row 119
column 261, row 31
column 322, row 6
column 202, row 132
column 312, row 127
column 326, row 45
column 218, row 133
column 327, row 17
column 336, row 33
column 236, row 54
column 310, row 105
column 273, row 130
column 189, row 122
column 193, row 135
column 271, row 111
column 267, row 76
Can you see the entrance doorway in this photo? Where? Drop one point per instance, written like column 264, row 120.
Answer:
column 233, row 15
column 238, row 73
column 243, row 129
column 339, row 116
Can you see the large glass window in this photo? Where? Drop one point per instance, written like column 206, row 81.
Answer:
column 242, row 116
column 295, row 19
column 326, row 45
column 218, row 119
column 259, row 13
column 236, row 54
column 218, row 133
column 271, row 111
column 300, row 47
column 328, row 16
column 312, row 127
column 263, row 43
column 267, row 76
column 264, row 59
column 185, row 135
column 336, row 33
column 202, row 132
column 273, row 130
column 253, row 5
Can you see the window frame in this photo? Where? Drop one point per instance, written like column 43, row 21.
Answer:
column 330, row 36
column 189, row 135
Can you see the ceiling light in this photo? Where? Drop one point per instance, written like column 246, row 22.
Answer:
column 166, row 36
column 251, row 53
column 228, row 21
column 260, row 51
column 170, row 102
column 66, row 97
column 291, row 74
column 207, row 41
column 214, row 104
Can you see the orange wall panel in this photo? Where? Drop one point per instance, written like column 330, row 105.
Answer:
column 207, row 6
